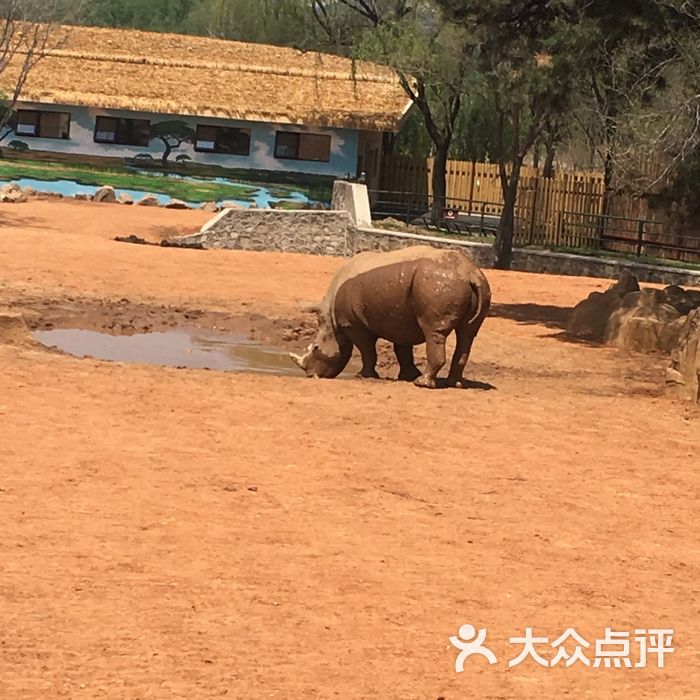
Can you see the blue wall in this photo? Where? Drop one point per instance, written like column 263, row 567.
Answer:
column 343, row 159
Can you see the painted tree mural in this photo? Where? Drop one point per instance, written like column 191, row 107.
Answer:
column 173, row 134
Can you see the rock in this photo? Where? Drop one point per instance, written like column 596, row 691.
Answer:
column 12, row 193
column 176, row 204
column 131, row 239
column 644, row 322
column 392, row 223
column 683, row 374
column 105, row 194
column 83, row 197
column 174, row 243
column 683, row 300
column 124, row 198
column 211, row 207
column 30, row 192
column 232, row 205
column 13, row 330
column 589, row 318
column 13, row 197
column 150, row 200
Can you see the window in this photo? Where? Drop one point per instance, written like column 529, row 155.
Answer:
column 122, row 132
column 297, row 146
column 47, row 125
column 220, row 139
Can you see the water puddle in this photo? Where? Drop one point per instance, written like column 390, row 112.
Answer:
column 175, row 348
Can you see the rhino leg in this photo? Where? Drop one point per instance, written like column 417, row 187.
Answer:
column 435, row 351
column 366, row 343
column 465, row 340
column 408, row 372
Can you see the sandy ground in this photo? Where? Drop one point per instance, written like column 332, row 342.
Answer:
column 191, row 534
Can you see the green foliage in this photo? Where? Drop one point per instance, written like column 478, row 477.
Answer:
column 173, row 129
column 159, row 15
column 283, row 22
column 473, row 139
column 413, row 139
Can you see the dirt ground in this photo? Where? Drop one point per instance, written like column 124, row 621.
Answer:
column 194, row 534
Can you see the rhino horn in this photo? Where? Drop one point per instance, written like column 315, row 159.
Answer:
column 297, row 359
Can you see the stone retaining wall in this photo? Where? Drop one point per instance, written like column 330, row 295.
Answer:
column 314, row 232
column 334, row 233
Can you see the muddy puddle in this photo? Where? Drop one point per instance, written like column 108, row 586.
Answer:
column 192, row 349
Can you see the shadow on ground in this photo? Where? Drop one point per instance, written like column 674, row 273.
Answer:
column 549, row 316
column 555, row 318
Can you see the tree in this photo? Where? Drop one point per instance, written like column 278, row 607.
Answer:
column 527, row 55
column 9, row 122
column 283, row 22
column 30, row 32
column 172, row 134
column 630, row 52
column 667, row 128
column 159, row 15
column 430, row 57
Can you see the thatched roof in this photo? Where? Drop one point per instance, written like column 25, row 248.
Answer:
column 197, row 76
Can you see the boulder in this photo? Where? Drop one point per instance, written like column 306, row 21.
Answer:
column 125, row 198
column 683, row 300
column 13, row 197
column 105, row 194
column 210, row 207
column 12, row 193
column 232, row 205
column 683, row 374
column 645, row 323
column 176, row 204
column 150, row 200
column 589, row 318
column 694, row 296
column 83, row 197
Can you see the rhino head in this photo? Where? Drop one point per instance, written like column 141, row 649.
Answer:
column 328, row 355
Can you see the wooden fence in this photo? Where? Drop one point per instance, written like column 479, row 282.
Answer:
column 563, row 211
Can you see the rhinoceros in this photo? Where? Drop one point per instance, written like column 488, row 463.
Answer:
column 409, row 296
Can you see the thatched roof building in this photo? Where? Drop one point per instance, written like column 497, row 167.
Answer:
column 196, row 76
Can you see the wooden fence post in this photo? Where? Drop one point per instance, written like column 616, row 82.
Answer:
column 534, row 210
column 640, row 237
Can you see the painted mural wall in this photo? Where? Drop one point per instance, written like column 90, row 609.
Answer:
column 180, row 135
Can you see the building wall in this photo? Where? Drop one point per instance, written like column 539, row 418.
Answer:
column 343, row 158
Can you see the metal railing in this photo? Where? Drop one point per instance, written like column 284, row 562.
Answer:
column 561, row 229
column 458, row 216
column 638, row 237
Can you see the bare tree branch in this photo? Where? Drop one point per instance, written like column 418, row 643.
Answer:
column 29, row 33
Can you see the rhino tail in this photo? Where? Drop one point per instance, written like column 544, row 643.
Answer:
column 483, row 298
